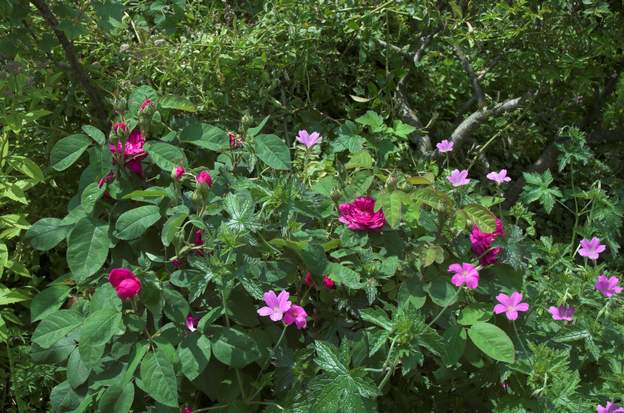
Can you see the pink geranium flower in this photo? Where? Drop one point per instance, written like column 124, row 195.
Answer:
column 133, row 151
column 464, row 274
column 608, row 286
column 360, row 214
column 482, row 242
column 499, row 177
column 591, row 248
column 561, row 312
column 276, row 305
column 458, row 178
column 445, row 146
column 609, row 408
column 296, row 314
column 125, row 282
column 191, row 322
column 328, row 282
column 510, row 305
column 204, row 178
column 308, row 139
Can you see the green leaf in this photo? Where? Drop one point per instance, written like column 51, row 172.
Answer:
column 117, row 398
column 344, row 275
column 538, row 188
column 251, row 132
column 48, row 301
column 454, row 343
column 97, row 331
column 90, row 196
column 171, row 227
column 234, row 348
column 493, row 341
column 177, row 103
column 376, row 316
column 77, row 371
column 56, row 326
column 479, row 216
column 46, row 233
column 110, row 15
column 272, row 151
column 67, row 151
column 343, row 394
column 64, row 399
column 360, row 160
column 159, row 378
column 27, row 167
column 164, row 155
column 205, row 136
column 94, row 133
column 473, row 314
column 327, row 358
column 134, row 222
column 194, row 354
column 87, row 247
column 371, row 119
column 176, row 307
column 391, row 203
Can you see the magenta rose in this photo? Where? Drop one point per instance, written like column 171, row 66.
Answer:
column 360, row 214
column 125, row 282
column 482, row 241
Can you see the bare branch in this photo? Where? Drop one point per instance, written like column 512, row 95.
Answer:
column 474, row 80
column 78, row 71
column 468, row 125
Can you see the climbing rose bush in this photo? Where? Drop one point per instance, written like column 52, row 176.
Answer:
column 215, row 270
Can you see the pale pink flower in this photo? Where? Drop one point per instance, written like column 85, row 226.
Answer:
column 445, row 146
column 308, row 139
column 296, row 314
column 510, row 305
column 360, row 214
column 204, row 178
column 276, row 305
column 458, row 178
column 464, row 274
column 125, row 282
column 191, row 322
column 608, row 286
column 561, row 312
column 609, row 408
column 591, row 248
column 499, row 177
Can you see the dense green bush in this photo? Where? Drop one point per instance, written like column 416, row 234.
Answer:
column 181, row 233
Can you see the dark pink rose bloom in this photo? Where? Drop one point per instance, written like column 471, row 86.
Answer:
column 328, row 282
column 307, row 280
column 125, row 282
column 204, row 178
column 119, row 127
column 198, row 241
column 482, row 241
column 360, row 214
column 133, row 151
column 296, row 314
column 187, row 410
column 108, row 178
column 178, row 171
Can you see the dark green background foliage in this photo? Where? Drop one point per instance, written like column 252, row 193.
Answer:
column 531, row 86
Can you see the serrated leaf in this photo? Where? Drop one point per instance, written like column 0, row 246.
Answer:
column 479, row 216
column 327, row 358
column 159, row 378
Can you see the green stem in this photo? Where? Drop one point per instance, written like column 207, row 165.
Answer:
column 386, row 365
column 20, row 406
column 576, row 212
column 444, row 308
column 227, row 324
column 279, row 341
column 207, row 409
column 513, row 323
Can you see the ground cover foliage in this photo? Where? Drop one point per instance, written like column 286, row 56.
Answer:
column 437, row 187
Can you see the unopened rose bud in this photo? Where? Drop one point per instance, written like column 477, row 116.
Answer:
column 177, row 172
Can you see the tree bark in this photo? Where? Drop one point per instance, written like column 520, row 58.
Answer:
column 80, row 75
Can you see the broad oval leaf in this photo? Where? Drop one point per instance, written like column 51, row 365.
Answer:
column 117, row 398
column 67, row 151
column 177, row 103
column 273, row 151
column 48, row 301
column 133, row 223
column 164, row 155
column 56, row 326
column 94, row 133
column 194, row 354
column 159, row 378
column 46, row 233
column 87, row 247
column 493, row 341
column 234, row 347
column 98, row 329
column 205, row 136
column 77, row 371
